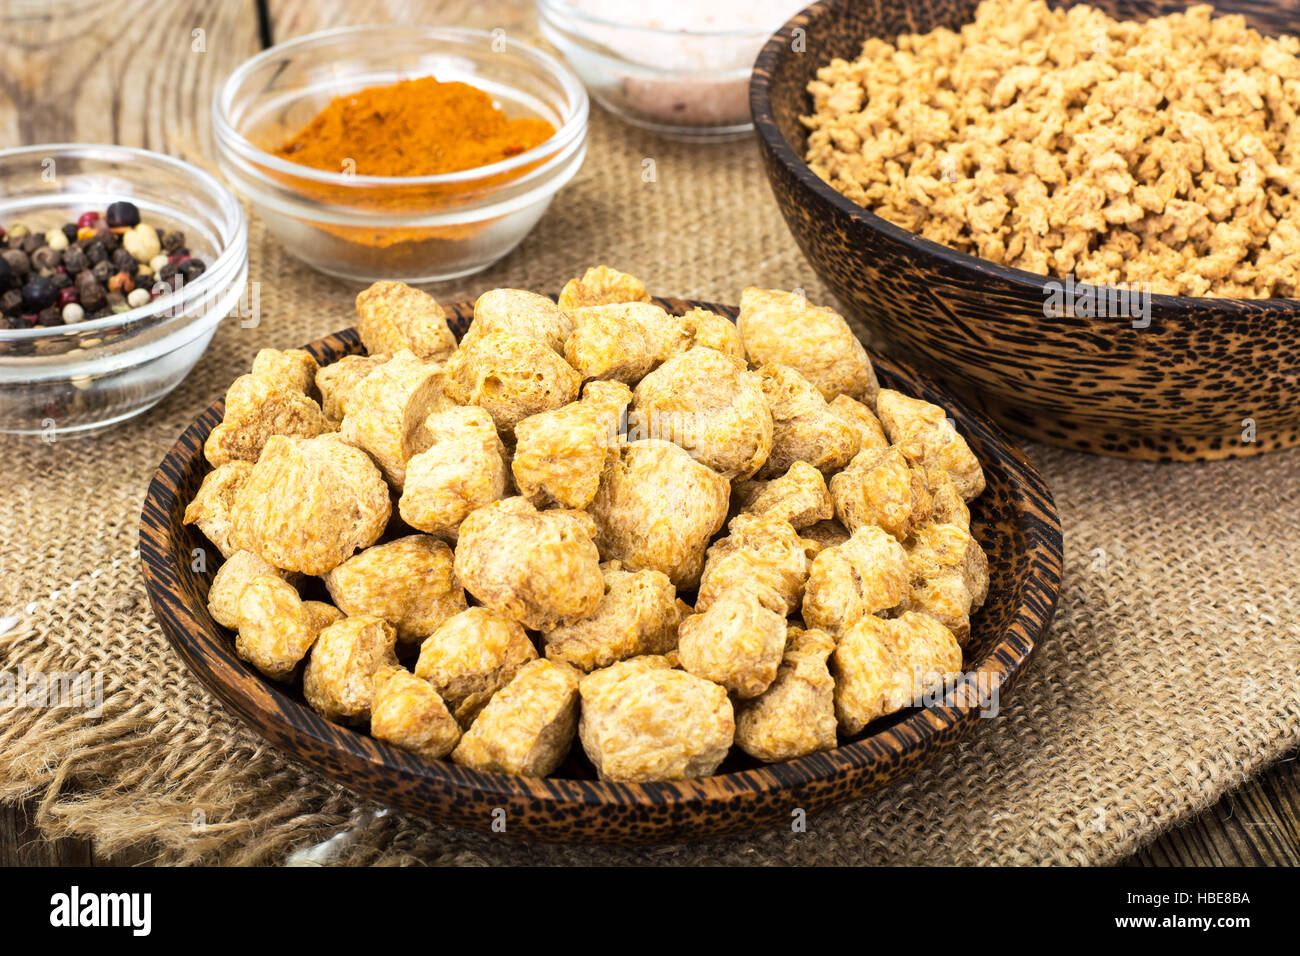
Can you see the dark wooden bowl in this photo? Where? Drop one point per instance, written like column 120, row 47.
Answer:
column 1179, row 389
column 1015, row 520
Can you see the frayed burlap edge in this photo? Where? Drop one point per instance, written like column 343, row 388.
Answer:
column 99, row 775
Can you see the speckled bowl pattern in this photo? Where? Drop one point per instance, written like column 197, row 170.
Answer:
column 1015, row 521
column 1206, row 379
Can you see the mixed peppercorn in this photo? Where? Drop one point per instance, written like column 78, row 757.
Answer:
column 103, row 264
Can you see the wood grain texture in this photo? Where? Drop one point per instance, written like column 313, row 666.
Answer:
column 1179, row 389
column 63, row 78
column 1256, row 825
column 1014, row 520
column 68, row 74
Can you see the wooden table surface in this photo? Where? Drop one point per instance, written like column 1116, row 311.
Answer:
column 143, row 72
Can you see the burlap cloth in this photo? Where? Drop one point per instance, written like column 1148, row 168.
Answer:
column 1169, row 676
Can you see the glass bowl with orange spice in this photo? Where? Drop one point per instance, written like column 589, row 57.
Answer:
column 412, row 153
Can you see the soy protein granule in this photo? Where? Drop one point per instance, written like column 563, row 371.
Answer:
column 1163, row 153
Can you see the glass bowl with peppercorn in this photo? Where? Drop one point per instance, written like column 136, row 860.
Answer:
column 116, row 264
column 394, row 152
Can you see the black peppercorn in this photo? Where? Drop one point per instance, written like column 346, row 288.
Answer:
column 191, row 269
column 11, row 303
column 166, row 272
column 45, row 259
column 74, row 260
column 6, row 275
column 61, row 280
column 19, row 264
column 171, row 241
column 96, row 251
column 49, row 316
column 92, row 294
column 70, row 230
column 30, row 244
column 123, row 261
column 102, row 271
column 39, row 293
column 109, row 238
column 122, row 214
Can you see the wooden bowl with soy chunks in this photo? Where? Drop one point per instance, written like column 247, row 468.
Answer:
column 621, row 568
column 1021, row 198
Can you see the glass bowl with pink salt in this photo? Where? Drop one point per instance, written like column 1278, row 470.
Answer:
column 678, row 68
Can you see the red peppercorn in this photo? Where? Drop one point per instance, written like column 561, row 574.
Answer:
column 87, row 220
column 121, row 282
column 3, row 235
column 176, row 260
column 68, row 296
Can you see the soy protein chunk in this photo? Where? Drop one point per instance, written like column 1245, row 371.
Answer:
column 409, row 582
column 784, row 328
column 339, row 682
column 641, row 721
column 471, row 656
column 560, row 455
column 511, row 376
column 800, row 496
column 758, row 550
column 528, row 727
column 463, row 469
column 711, row 406
column 601, row 285
column 804, row 427
column 879, row 488
column 540, row 568
column 392, row 316
column 795, row 716
column 310, row 503
column 881, row 666
column 657, row 508
column 408, row 713
column 257, row 408
column 212, row 509
column 637, row 615
column 521, row 313
column 929, row 440
column 387, row 410
column 738, row 641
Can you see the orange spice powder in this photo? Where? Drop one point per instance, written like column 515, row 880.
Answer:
column 419, row 127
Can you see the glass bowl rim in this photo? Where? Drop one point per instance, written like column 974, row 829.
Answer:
column 559, row 8
column 212, row 277
column 228, row 137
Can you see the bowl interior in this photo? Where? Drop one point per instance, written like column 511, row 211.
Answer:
column 1014, row 520
column 44, row 187
column 1180, row 381
column 277, row 93
column 79, row 378
column 837, row 28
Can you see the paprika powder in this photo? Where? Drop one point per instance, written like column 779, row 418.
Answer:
column 417, row 127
